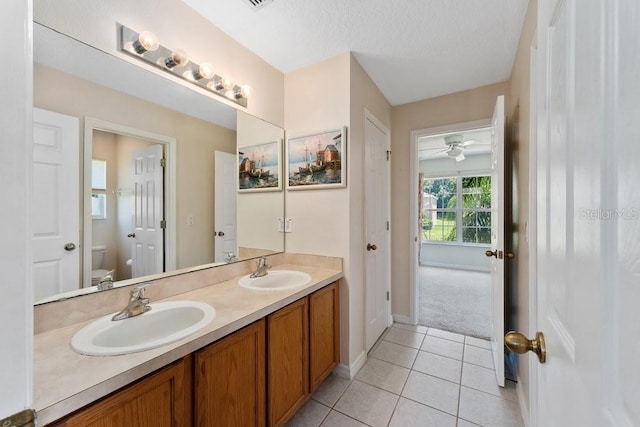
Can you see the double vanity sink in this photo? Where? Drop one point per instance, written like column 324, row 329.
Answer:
column 168, row 322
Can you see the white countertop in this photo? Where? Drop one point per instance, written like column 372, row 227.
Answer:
column 65, row 381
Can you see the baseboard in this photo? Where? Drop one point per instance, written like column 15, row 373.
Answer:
column 350, row 371
column 524, row 405
column 401, row 318
column 455, row 266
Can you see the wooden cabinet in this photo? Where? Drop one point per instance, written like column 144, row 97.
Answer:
column 260, row 375
column 230, row 380
column 161, row 399
column 324, row 333
column 287, row 361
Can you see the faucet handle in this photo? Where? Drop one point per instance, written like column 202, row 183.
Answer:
column 138, row 291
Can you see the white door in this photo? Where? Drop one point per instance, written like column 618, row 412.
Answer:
column 497, row 239
column 377, row 255
column 225, row 210
column 148, row 214
column 55, row 203
column 588, row 215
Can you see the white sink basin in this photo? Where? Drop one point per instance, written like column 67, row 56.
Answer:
column 165, row 323
column 276, row 280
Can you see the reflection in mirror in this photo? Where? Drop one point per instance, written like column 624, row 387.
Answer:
column 136, row 215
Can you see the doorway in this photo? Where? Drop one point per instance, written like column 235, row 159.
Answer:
column 135, row 185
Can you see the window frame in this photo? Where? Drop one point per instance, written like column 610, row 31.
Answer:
column 459, row 209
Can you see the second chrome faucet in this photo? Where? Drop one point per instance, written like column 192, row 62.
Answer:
column 261, row 268
column 137, row 305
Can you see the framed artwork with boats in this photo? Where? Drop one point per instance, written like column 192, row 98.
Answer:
column 317, row 161
column 259, row 167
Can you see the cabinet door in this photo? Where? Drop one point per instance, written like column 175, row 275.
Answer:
column 230, row 380
column 288, row 361
column 162, row 399
column 324, row 333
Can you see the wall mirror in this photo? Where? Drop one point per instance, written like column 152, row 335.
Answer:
column 127, row 119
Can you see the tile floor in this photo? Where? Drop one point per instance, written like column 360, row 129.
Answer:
column 417, row 376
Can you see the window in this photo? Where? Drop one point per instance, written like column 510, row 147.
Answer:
column 446, row 219
column 99, row 189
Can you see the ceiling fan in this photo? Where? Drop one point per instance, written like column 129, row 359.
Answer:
column 455, row 146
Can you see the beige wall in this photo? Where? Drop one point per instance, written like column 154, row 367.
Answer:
column 518, row 112
column 470, row 105
column 319, row 98
column 196, row 143
column 177, row 26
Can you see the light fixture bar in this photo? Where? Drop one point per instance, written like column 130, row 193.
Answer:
column 161, row 57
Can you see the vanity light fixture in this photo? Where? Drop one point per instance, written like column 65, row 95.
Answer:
column 146, row 47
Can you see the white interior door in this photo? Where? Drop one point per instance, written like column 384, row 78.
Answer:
column 148, row 238
column 377, row 255
column 497, row 239
column 55, row 203
column 588, row 215
column 226, row 191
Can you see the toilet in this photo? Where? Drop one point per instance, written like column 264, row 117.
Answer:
column 98, row 254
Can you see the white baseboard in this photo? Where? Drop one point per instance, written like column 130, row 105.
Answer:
column 524, row 404
column 350, row 371
column 401, row 318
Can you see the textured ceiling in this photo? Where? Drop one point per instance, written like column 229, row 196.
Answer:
column 412, row 49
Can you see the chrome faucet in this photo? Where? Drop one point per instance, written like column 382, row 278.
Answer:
column 106, row 281
column 230, row 258
column 261, row 268
column 137, row 305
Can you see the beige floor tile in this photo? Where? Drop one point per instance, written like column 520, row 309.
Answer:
column 330, row 390
column 395, row 353
column 432, row 391
column 336, row 419
column 478, row 356
column 477, row 342
column 442, row 347
column 446, row 335
column 409, row 413
column 384, row 375
column 488, row 410
column 484, row 379
column 367, row 404
column 415, row 328
column 404, row 337
column 438, row 366
column 311, row 414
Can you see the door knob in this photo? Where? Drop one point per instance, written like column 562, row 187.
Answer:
column 520, row 344
column 371, row 247
column 509, row 255
column 218, row 233
column 490, row 253
column 131, row 235
column 69, row 247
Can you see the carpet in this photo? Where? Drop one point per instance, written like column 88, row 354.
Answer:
column 455, row 300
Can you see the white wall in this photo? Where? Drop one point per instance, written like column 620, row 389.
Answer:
column 16, row 292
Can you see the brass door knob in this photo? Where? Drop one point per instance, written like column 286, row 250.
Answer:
column 509, row 255
column 520, row 344
column 371, row 247
column 490, row 253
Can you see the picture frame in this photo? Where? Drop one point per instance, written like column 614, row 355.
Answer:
column 317, row 161
column 260, row 167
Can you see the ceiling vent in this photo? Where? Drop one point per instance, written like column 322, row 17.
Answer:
column 256, row 5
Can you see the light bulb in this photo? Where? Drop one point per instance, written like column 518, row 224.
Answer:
column 204, row 71
column 147, row 41
column 178, row 58
column 226, row 83
column 220, row 84
column 246, row 91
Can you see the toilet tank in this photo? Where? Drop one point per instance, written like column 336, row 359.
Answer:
column 97, row 256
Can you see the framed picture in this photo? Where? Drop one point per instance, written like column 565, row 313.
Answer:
column 317, row 161
column 259, row 167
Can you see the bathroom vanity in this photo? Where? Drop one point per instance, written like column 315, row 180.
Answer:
column 258, row 361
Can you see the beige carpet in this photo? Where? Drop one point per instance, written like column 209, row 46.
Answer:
column 455, row 300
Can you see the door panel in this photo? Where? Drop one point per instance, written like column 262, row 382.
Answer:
column 148, row 242
column 497, row 239
column 55, row 203
column 588, row 215
column 225, row 205
column 377, row 256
